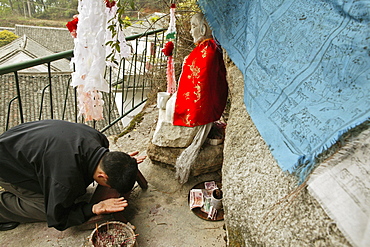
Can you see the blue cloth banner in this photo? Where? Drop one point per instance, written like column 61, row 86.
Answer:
column 306, row 67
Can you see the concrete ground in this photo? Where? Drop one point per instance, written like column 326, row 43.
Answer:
column 160, row 214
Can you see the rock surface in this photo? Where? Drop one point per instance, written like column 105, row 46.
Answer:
column 167, row 135
column 210, row 157
column 264, row 205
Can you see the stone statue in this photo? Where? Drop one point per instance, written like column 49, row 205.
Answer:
column 200, row 29
column 202, row 90
column 199, row 101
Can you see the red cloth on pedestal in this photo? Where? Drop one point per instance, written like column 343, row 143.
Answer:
column 202, row 91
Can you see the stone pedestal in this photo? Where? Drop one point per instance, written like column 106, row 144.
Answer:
column 210, row 157
column 168, row 142
column 167, row 135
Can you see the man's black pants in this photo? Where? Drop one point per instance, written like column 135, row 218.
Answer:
column 20, row 205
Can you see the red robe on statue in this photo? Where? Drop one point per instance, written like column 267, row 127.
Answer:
column 202, row 91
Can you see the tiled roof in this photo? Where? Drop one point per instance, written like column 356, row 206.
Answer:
column 25, row 48
column 55, row 39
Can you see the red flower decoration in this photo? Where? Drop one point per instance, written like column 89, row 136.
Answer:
column 72, row 26
column 168, row 48
column 110, row 4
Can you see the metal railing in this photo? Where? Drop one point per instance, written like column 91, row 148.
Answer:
column 28, row 96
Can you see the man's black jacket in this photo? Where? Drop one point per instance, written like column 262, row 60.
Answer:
column 57, row 159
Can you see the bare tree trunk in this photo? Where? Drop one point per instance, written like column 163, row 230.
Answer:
column 24, row 9
column 14, row 7
column 29, row 8
column 11, row 5
column 43, row 4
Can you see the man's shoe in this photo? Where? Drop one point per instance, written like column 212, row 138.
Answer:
column 8, row 226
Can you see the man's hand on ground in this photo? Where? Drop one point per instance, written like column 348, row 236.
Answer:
column 111, row 205
column 139, row 159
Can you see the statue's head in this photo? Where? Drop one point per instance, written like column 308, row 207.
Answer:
column 200, row 29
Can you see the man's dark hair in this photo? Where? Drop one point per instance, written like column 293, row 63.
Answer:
column 121, row 169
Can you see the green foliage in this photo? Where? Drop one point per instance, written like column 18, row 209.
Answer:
column 133, row 123
column 153, row 19
column 126, row 22
column 50, row 9
column 190, row 5
column 116, row 25
column 6, row 37
column 56, row 14
column 154, row 5
column 186, row 8
column 5, row 10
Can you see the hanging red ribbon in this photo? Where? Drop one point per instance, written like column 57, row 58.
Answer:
column 171, row 79
column 168, row 51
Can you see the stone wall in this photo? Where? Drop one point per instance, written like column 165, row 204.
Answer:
column 10, row 29
column 55, row 39
column 264, row 206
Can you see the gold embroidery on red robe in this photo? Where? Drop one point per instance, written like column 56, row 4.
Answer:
column 202, row 91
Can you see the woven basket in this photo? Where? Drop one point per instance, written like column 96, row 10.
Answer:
column 113, row 233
